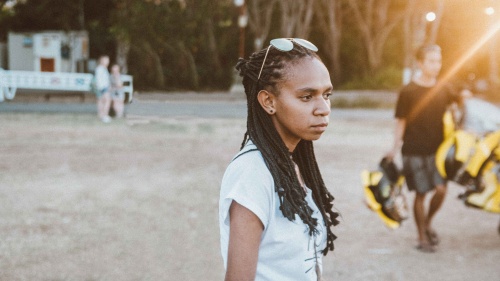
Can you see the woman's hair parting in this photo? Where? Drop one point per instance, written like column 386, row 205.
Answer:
column 264, row 135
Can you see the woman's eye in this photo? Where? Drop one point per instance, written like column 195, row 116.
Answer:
column 306, row 98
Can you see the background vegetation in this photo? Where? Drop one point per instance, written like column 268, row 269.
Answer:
column 194, row 44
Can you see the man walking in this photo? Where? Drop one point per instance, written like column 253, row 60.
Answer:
column 419, row 132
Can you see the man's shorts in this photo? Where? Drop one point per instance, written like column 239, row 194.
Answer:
column 421, row 173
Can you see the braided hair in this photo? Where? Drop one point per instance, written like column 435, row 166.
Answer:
column 261, row 131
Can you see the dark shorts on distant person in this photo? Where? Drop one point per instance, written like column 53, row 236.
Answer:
column 421, row 173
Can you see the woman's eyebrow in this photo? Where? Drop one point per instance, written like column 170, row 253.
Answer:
column 307, row 90
column 313, row 90
column 329, row 88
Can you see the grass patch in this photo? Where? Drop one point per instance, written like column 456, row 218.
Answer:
column 361, row 102
column 387, row 78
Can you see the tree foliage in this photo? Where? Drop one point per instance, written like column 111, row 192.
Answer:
column 34, row 15
column 193, row 44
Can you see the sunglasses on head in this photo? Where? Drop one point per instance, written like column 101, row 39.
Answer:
column 286, row 45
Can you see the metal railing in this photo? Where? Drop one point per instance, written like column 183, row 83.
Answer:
column 11, row 80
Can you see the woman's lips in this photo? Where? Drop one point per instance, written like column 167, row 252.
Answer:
column 320, row 127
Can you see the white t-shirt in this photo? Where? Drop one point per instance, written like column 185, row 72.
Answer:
column 481, row 116
column 287, row 251
column 102, row 77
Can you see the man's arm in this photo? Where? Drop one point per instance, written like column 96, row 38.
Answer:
column 398, row 137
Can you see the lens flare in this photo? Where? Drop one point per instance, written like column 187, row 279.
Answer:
column 455, row 68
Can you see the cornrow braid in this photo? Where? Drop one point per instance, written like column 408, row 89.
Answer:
column 261, row 130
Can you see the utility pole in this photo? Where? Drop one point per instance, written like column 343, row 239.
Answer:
column 242, row 24
column 237, row 87
column 81, row 14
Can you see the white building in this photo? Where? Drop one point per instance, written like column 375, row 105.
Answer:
column 48, row 51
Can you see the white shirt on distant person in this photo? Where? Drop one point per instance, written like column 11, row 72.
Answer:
column 102, row 77
column 480, row 116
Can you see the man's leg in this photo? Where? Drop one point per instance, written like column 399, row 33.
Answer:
column 420, row 218
column 424, row 244
column 436, row 202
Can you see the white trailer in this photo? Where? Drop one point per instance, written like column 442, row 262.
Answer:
column 48, row 51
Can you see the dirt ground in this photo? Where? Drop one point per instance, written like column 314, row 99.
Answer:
column 137, row 199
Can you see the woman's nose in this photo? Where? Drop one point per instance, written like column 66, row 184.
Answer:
column 323, row 107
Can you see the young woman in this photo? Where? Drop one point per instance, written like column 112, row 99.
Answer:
column 116, row 90
column 275, row 212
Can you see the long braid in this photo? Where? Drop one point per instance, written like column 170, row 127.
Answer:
column 261, row 130
column 306, row 160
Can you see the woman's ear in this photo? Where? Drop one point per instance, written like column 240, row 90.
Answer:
column 267, row 100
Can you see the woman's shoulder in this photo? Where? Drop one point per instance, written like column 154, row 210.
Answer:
column 248, row 164
column 249, row 158
column 247, row 178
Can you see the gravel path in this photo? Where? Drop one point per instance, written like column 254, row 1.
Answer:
column 137, row 200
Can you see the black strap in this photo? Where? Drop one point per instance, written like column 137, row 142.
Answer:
column 250, row 150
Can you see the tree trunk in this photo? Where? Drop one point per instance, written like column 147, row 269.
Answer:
column 259, row 20
column 330, row 22
column 159, row 77
column 416, row 32
column 375, row 24
column 191, row 71
column 212, row 47
column 121, row 31
column 122, row 50
column 296, row 18
column 408, row 44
